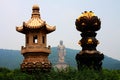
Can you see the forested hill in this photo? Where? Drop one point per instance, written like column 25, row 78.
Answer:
column 12, row 58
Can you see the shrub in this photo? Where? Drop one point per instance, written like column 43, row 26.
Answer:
column 68, row 74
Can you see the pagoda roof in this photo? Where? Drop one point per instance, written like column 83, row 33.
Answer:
column 35, row 23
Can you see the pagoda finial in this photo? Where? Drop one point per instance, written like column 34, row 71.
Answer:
column 35, row 11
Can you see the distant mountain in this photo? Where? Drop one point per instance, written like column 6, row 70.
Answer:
column 13, row 58
column 10, row 58
column 108, row 62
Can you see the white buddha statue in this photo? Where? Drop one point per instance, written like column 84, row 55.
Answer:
column 61, row 52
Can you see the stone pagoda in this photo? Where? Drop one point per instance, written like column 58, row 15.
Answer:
column 89, row 57
column 35, row 51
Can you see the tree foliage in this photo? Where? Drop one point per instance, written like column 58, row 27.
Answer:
column 67, row 74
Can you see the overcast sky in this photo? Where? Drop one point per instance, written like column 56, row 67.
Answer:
column 62, row 14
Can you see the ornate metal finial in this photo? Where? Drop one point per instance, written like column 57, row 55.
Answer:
column 88, row 23
column 87, row 14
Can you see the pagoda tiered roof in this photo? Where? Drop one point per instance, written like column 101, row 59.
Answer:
column 35, row 23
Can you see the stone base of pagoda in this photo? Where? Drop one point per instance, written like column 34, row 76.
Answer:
column 89, row 59
column 36, row 67
column 35, row 63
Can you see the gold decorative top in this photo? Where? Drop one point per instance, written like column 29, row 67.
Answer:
column 87, row 22
column 35, row 22
column 87, row 14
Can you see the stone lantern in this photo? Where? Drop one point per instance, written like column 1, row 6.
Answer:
column 35, row 51
column 89, row 57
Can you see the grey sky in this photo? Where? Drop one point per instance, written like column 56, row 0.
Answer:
column 62, row 14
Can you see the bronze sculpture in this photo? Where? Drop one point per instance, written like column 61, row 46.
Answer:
column 89, row 57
